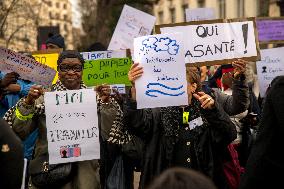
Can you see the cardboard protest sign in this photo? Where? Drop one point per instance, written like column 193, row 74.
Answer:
column 163, row 82
column 108, row 71
column 270, row 30
column 200, row 14
column 217, row 41
column 49, row 58
column 72, row 126
column 26, row 67
column 270, row 66
column 103, row 54
column 132, row 23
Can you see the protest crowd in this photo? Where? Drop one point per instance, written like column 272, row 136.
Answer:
column 184, row 116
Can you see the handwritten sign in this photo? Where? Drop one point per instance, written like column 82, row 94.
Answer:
column 270, row 66
column 103, row 54
column 217, row 43
column 200, row 14
column 48, row 58
column 270, row 30
column 163, row 82
column 72, row 126
column 109, row 71
column 26, row 67
column 132, row 23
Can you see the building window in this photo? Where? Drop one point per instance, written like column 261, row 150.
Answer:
column 184, row 7
column 65, row 17
column 240, row 7
column 50, row 15
column 66, row 27
column 64, row 6
column 201, row 3
column 222, row 8
column 173, row 15
column 49, row 3
column 57, row 5
column 57, row 16
column 161, row 17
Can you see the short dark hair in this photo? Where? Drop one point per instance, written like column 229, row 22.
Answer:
column 70, row 54
column 182, row 178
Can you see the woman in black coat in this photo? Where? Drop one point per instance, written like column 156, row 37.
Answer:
column 193, row 136
column 265, row 165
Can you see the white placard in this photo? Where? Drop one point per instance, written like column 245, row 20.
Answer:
column 72, row 126
column 132, row 23
column 200, row 14
column 26, row 67
column 218, row 41
column 120, row 88
column 103, row 54
column 163, row 82
column 270, row 66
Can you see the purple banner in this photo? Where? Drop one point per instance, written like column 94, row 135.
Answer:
column 270, row 30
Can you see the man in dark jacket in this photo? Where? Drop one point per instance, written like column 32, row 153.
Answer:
column 11, row 158
column 265, row 165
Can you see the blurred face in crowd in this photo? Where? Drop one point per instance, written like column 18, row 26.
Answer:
column 203, row 70
column 70, row 73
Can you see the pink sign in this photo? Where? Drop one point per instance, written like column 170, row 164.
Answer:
column 270, row 30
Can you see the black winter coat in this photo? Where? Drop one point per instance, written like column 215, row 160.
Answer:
column 212, row 143
column 265, row 165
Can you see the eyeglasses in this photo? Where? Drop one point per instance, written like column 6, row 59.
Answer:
column 66, row 67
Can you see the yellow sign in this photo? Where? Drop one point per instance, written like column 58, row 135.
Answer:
column 49, row 58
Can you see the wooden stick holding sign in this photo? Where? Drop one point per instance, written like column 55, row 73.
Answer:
column 217, row 41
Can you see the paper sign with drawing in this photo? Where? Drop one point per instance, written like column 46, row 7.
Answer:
column 72, row 126
column 217, row 43
column 270, row 66
column 132, row 23
column 163, row 82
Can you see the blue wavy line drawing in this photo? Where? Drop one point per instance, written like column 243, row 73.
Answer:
column 173, row 89
column 162, row 85
column 163, row 93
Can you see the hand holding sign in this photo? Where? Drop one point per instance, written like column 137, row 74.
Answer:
column 35, row 92
column 239, row 67
column 134, row 73
column 207, row 102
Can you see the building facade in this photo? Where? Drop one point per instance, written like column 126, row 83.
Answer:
column 173, row 11
column 20, row 29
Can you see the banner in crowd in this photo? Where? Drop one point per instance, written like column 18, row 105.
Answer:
column 26, row 67
column 270, row 30
column 72, row 125
column 163, row 82
column 132, row 23
column 200, row 14
column 49, row 58
column 103, row 54
column 270, row 66
column 217, row 41
column 109, row 71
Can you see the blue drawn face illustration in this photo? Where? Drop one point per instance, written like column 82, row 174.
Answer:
column 160, row 44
